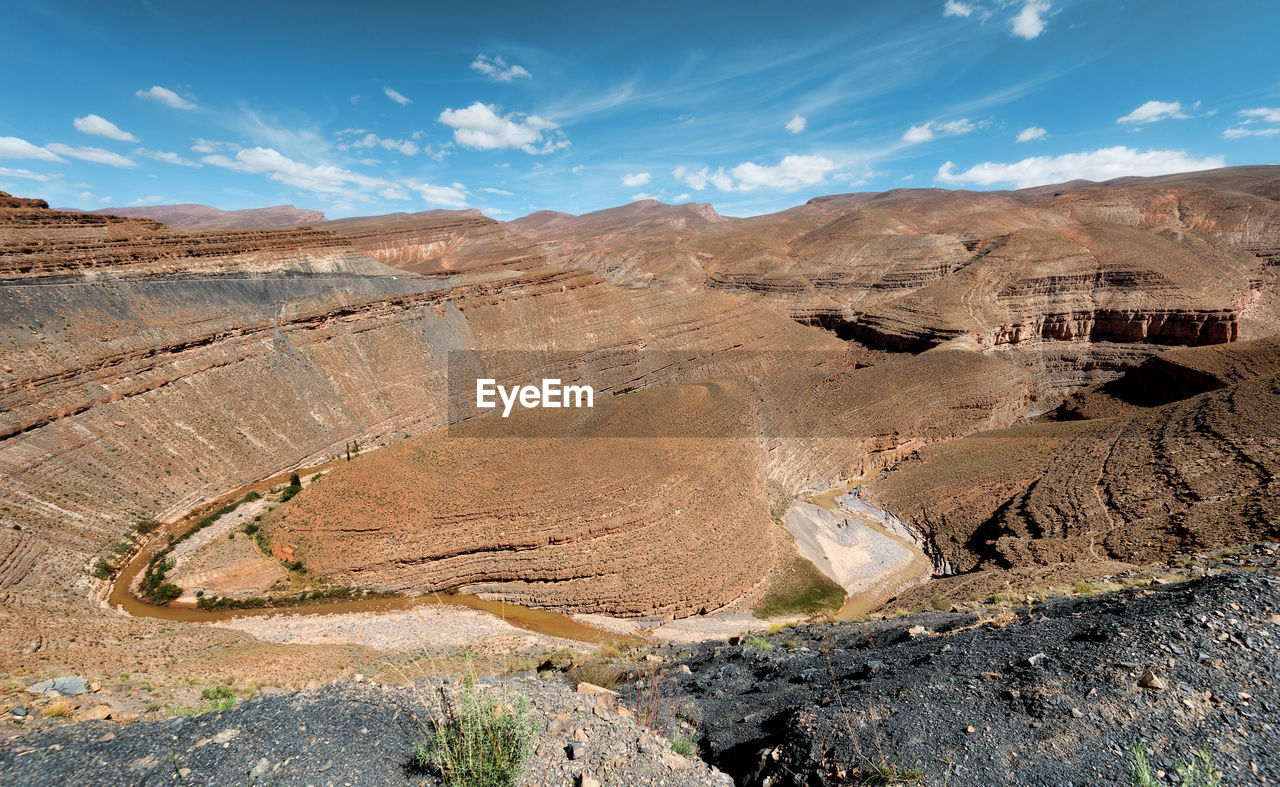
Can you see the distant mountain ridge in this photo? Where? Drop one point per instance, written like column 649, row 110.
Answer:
column 207, row 217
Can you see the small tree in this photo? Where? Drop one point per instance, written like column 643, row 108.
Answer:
column 294, row 480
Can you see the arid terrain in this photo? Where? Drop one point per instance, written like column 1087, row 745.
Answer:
column 868, row 403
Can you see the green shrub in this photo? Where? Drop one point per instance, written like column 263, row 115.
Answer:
column 252, row 496
column 1198, row 771
column 294, row 480
column 478, row 741
column 759, row 643
column 597, row 673
column 251, row 528
column 684, row 745
column 219, row 697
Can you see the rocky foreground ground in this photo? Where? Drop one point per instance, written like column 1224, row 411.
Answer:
column 350, row 733
column 1056, row 696
column 1058, row 693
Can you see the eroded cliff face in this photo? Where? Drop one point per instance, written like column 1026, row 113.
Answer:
column 1144, row 263
column 144, row 371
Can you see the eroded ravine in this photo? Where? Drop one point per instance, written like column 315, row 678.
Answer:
column 896, row 563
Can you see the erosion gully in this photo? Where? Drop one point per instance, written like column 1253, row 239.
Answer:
column 915, row 571
column 121, row 596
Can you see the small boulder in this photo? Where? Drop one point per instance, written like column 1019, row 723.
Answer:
column 1151, row 680
column 66, row 684
column 591, row 688
column 97, row 713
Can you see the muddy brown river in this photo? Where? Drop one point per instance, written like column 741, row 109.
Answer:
column 539, row 621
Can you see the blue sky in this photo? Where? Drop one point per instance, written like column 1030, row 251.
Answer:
column 358, row 109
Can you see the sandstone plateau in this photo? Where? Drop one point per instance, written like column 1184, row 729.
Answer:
column 1075, row 374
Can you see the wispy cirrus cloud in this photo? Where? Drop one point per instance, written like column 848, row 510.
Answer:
column 498, row 69
column 167, row 97
column 1267, row 117
column 168, row 158
column 1153, row 112
column 397, row 96
column 1101, row 164
column 25, row 174
column 99, row 126
column 1031, row 133
column 929, row 131
column 96, row 155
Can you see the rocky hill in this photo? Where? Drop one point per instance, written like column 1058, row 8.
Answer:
column 205, row 217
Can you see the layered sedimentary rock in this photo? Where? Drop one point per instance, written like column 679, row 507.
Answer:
column 1059, row 277
column 145, row 370
column 1176, row 374
column 653, row 502
column 192, row 217
column 1194, row 474
column 438, row 242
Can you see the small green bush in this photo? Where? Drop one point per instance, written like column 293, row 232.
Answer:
column 759, row 643
column 478, row 741
column 684, row 745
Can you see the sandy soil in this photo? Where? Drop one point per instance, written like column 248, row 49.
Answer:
column 435, row 628
column 717, row 625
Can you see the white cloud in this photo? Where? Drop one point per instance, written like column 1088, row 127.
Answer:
column 793, row 172
column 790, row 174
column 210, row 146
column 397, row 96
column 498, row 69
column 797, row 124
column 918, row 134
column 96, row 155
column 405, row 146
column 1029, row 22
column 637, row 179
column 25, row 174
column 927, row 131
column 166, row 96
column 961, row 126
column 1252, row 117
column 13, row 147
column 644, row 195
column 100, row 126
column 325, row 178
column 454, row 196
column 1102, row 164
column 699, row 180
column 1239, row 132
column 685, row 197
column 1264, row 114
column 502, row 192
column 1153, row 111
column 578, row 170
column 479, row 126
column 393, row 192
column 168, row 158
column 956, row 8
column 1031, row 133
